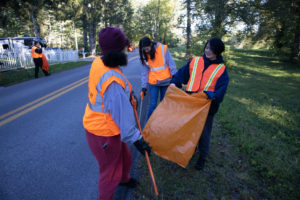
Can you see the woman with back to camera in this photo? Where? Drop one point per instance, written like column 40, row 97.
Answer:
column 109, row 120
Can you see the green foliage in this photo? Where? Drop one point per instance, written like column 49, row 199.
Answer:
column 154, row 20
column 285, row 27
column 265, row 22
column 178, row 53
column 254, row 150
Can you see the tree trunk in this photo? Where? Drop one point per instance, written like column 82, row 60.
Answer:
column 188, row 28
column 92, row 37
column 50, row 33
column 218, row 25
column 85, row 39
column 296, row 43
column 157, row 25
column 36, row 26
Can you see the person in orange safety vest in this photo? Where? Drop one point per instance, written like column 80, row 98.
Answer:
column 157, row 70
column 109, row 120
column 206, row 74
column 37, row 59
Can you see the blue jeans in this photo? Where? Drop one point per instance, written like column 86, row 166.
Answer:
column 203, row 145
column 154, row 90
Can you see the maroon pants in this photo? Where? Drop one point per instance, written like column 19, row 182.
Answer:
column 114, row 159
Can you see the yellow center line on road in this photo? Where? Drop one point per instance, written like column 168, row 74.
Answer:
column 43, row 102
column 130, row 59
column 39, row 99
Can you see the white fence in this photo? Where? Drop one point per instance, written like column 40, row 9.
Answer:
column 22, row 59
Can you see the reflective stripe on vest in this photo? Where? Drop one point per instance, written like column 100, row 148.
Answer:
column 192, row 77
column 159, row 70
column 212, row 76
column 99, row 105
column 97, row 119
column 201, row 80
column 34, row 54
column 164, row 60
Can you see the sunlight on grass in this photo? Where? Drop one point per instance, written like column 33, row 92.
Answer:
column 269, row 112
column 255, row 140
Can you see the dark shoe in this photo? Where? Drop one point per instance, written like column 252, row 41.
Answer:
column 47, row 74
column 200, row 163
column 132, row 183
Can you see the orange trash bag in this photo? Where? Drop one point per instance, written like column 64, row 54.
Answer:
column 45, row 63
column 175, row 126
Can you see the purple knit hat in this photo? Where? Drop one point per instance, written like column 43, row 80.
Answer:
column 112, row 38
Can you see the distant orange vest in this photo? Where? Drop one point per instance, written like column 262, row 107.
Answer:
column 203, row 81
column 159, row 70
column 97, row 119
column 34, row 54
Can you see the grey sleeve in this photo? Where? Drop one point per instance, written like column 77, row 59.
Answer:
column 144, row 77
column 170, row 62
column 120, row 108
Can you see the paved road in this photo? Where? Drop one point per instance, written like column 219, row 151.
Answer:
column 43, row 151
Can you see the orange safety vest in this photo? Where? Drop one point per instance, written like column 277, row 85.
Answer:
column 97, row 119
column 203, row 81
column 159, row 70
column 34, row 54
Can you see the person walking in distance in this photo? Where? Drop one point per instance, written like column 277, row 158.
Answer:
column 109, row 120
column 37, row 59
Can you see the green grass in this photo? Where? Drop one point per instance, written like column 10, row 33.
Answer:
column 255, row 140
column 178, row 55
column 15, row 76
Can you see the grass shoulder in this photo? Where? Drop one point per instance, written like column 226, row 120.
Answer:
column 255, row 139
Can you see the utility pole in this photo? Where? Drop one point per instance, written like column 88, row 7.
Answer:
column 76, row 43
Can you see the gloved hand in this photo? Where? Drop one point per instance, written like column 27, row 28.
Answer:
column 144, row 90
column 210, row 94
column 133, row 99
column 142, row 146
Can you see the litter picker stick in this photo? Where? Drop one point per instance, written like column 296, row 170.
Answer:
column 133, row 101
column 142, row 97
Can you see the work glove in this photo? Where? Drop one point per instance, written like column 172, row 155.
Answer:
column 133, row 99
column 210, row 94
column 142, row 146
column 144, row 90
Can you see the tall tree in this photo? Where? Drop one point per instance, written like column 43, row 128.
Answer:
column 188, row 28
column 93, row 10
column 29, row 11
column 279, row 24
column 147, row 22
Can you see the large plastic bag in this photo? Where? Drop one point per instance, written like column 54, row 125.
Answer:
column 45, row 65
column 175, row 126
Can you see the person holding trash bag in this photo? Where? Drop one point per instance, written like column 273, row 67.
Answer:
column 158, row 68
column 37, row 55
column 109, row 119
column 206, row 74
